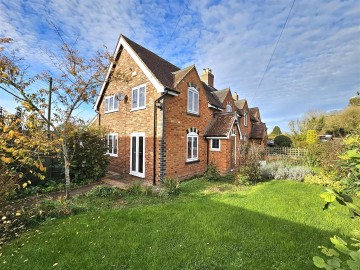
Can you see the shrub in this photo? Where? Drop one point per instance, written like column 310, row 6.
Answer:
column 135, row 188
column 324, row 155
column 324, row 179
column 282, row 141
column 281, row 170
column 171, row 185
column 89, row 162
column 212, row 173
column 342, row 256
column 103, row 191
column 249, row 169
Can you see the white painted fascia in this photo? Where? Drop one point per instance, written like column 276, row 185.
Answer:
column 151, row 77
column 214, row 107
column 238, row 127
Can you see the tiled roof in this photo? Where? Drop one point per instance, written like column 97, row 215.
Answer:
column 180, row 74
column 212, row 99
column 221, row 94
column 220, row 125
column 258, row 131
column 255, row 112
column 161, row 68
column 240, row 103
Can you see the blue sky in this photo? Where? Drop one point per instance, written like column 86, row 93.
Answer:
column 316, row 65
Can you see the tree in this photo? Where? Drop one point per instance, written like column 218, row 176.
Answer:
column 23, row 143
column 276, row 131
column 283, row 141
column 77, row 80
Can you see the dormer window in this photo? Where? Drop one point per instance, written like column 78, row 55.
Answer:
column 228, row 107
column 111, row 104
column 193, row 101
column 245, row 119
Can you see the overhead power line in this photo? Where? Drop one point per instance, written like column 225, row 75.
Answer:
column 277, row 42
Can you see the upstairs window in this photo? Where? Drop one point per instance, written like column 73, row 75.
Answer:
column 193, row 101
column 228, row 107
column 245, row 119
column 111, row 141
column 192, row 146
column 215, row 145
column 138, row 97
column 111, row 104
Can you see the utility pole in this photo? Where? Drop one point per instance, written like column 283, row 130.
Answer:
column 49, row 106
column 50, row 168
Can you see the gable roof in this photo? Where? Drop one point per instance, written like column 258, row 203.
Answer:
column 240, row 103
column 258, row 131
column 255, row 112
column 221, row 94
column 220, row 125
column 180, row 74
column 156, row 69
column 161, row 68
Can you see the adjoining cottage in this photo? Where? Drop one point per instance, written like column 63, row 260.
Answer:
column 167, row 121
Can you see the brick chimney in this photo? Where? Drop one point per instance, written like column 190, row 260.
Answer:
column 235, row 96
column 207, row 77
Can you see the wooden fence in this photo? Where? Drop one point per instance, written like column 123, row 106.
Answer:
column 286, row 151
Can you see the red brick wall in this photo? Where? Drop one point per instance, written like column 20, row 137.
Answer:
column 177, row 121
column 125, row 121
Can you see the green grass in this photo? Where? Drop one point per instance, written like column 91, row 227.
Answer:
column 275, row 225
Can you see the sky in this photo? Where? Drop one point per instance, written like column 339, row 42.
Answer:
column 315, row 67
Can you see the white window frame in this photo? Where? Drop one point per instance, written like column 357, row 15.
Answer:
column 110, row 151
column 211, row 145
column 228, row 108
column 190, row 136
column 245, row 119
column 137, row 135
column 115, row 104
column 191, row 105
column 138, row 107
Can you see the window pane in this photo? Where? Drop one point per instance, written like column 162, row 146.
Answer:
column 110, row 144
column 142, row 97
column 195, row 146
column 141, row 157
column 135, row 99
column 115, row 144
column 189, row 148
column 116, row 104
column 106, row 104
column 215, row 143
column 196, row 102
column 133, row 154
column 111, row 103
column 228, row 108
column 190, row 101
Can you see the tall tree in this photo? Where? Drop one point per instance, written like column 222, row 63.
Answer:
column 77, row 79
column 276, row 131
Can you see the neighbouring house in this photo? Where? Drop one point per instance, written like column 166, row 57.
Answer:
column 166, row 121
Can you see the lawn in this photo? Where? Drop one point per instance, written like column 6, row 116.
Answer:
column 274, row 225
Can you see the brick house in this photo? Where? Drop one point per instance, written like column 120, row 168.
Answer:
column 166, row 121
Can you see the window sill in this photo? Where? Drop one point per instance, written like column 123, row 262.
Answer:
column 192, row 161
column 193, row 114
column 111, row 111
column 111, row 155
column 137, row 109
column 215, row 150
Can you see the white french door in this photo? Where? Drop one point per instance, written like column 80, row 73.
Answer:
column 137, row 154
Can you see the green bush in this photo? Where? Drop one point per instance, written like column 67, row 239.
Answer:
column 89, row 162
column 171, row 185
column 212, row 173
column 282, row 141
column 325, row 179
